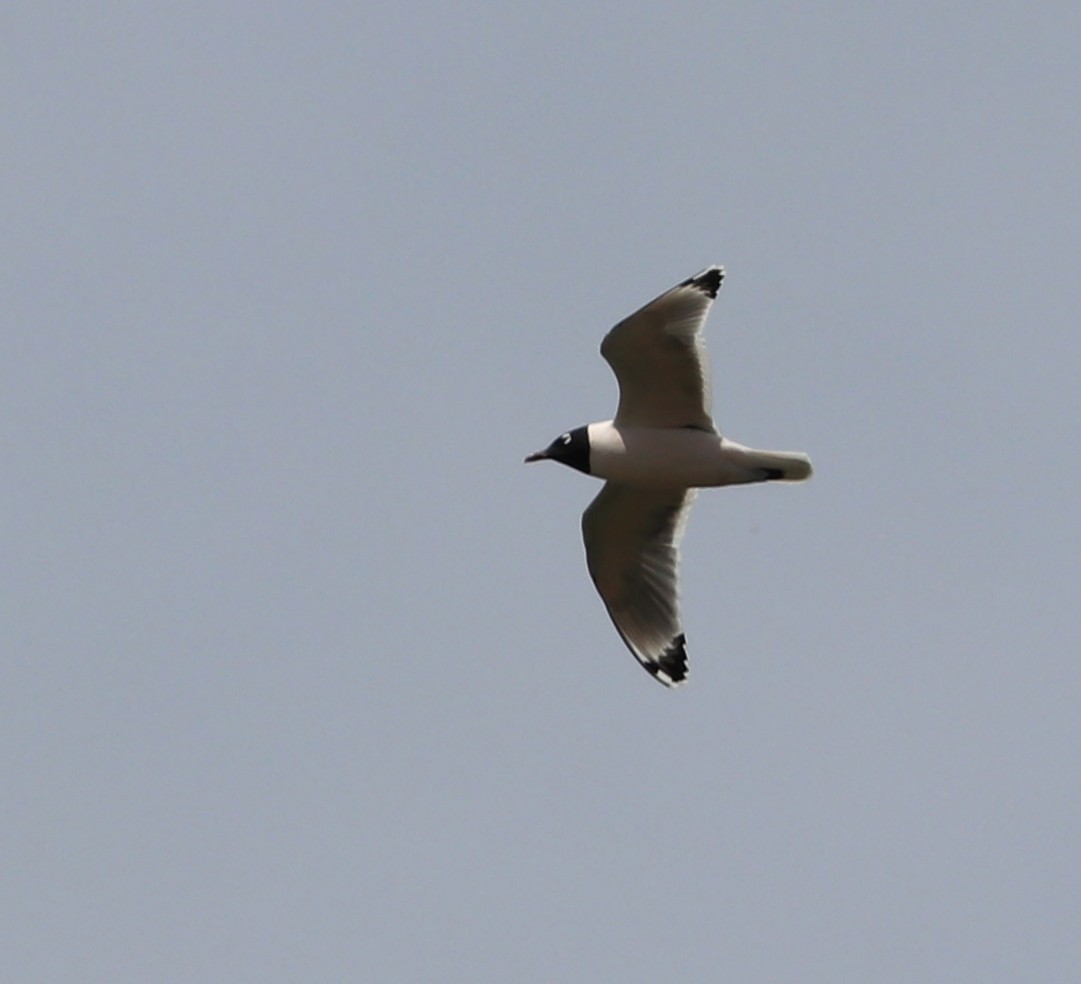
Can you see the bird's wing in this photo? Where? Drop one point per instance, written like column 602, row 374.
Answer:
column 632, row 550
column 660, row 359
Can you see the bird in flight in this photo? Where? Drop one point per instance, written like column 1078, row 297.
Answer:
column 659, row 449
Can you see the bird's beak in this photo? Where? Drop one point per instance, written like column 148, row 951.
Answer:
column 537, row 456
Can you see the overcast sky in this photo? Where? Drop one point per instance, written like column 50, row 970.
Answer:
column 303, row 677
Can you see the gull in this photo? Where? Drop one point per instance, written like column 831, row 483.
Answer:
column 660, row 447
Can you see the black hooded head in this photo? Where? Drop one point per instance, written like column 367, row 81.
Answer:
column 571, row 448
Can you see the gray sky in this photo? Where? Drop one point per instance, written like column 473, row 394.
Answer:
column 303, row 677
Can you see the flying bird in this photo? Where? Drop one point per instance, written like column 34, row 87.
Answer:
column 659, row 449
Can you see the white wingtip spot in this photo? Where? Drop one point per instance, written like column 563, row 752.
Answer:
column 664, row 678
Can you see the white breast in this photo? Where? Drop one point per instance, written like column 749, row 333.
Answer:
column 660, row 457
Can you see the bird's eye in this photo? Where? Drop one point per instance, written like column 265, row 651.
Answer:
column 566, row 438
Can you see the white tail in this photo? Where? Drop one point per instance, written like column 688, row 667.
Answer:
column 782, row 466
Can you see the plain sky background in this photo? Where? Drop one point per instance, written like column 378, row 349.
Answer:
column 303, row 678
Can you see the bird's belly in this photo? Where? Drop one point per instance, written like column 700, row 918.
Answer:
column 667, row 458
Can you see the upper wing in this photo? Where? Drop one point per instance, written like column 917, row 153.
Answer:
column 660, row 360
column 632, row 550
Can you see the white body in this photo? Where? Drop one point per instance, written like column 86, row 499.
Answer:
column 656, row 457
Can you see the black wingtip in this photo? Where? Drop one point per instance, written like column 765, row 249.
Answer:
column 671, row 666
column 708, row 281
